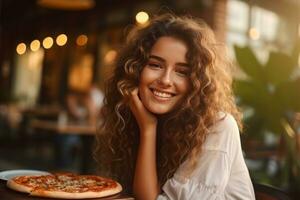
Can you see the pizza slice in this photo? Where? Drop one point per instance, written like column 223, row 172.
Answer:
column 65, row 185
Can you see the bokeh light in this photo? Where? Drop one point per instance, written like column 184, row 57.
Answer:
column 81, row 40
column 61, row 40
column 142, row 17
column 21, row 48
column 47, row 42
column 110, row 56
column 254, row 34
column 35, row 45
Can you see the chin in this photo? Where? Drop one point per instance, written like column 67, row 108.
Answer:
column 157, row 110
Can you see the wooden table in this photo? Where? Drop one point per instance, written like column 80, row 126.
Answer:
column 64, row 128
column 8, row 194
column 85, row 131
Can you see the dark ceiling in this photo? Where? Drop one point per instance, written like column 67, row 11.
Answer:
column 14, row 13
column 28, row 17
column 25, row 18
column 22, row 11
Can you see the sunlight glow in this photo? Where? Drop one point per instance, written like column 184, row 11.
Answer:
column 254, row 34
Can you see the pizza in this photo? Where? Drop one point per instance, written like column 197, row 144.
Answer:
column 65, row 186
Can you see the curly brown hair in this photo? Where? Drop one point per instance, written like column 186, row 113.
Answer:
column 180, row 133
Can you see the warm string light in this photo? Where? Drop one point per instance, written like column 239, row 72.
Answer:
column 81, row 40
column 61, row 40
column 142, row 17
column 35, row 45
column 48, row 42
column 21, row 48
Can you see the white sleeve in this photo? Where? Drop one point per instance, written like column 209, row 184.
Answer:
column 203, row 185
column 207, row 182
column 214, row 178
column 239, row 185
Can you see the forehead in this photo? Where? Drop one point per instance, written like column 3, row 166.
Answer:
column 170, row 48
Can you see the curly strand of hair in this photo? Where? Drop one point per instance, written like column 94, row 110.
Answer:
column 120, row 123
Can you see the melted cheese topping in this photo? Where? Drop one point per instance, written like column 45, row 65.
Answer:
column 66, row 183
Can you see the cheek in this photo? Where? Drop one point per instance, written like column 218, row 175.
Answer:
column 143, row 83
column 143, row 79
column 185, row 87
column 147, row 76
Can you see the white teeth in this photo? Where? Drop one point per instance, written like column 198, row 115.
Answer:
column 161, row 94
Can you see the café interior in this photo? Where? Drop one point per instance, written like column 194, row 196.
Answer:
column 51, row 47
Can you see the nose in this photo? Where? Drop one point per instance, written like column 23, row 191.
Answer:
column 166, row 78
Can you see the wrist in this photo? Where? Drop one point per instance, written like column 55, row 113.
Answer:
column 148, row 132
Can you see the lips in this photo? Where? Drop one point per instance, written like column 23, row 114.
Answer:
column 162, row 94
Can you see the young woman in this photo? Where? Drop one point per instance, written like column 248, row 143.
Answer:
column 169, row 120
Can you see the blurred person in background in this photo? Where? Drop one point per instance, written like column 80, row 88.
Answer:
column 82, row 108
column 170, row 126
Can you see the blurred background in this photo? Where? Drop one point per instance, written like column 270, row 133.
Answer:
column 56, row 54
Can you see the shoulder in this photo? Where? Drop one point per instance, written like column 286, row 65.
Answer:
column 224, row 121
column 223, row 133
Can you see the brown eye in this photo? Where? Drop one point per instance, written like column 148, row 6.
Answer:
column 154, row 65
column 183, row 72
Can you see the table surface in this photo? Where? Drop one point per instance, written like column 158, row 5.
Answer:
column 68, row 128
column 8, row 194
column 86, row 132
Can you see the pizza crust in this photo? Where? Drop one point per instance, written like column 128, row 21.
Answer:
column 18, row 187
column 80, row 195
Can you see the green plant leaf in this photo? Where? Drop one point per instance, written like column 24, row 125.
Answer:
column 254, row 126
column 267, row 109
column 279, row 67
column 251, row 93
column 288, row 93
column 248, row 63
column 295, row 52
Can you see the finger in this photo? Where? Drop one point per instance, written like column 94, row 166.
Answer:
column 134, row 92
column 135, row 103
column 132, row 100
column 135, row 98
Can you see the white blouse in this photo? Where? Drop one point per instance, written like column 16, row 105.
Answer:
column 221, row 172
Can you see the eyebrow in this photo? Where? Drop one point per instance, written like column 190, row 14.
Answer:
column 163, row 60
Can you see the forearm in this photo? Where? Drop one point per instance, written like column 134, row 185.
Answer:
column 72, row 108
column 145, row 185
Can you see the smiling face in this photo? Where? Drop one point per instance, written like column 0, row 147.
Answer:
column 164, row 80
